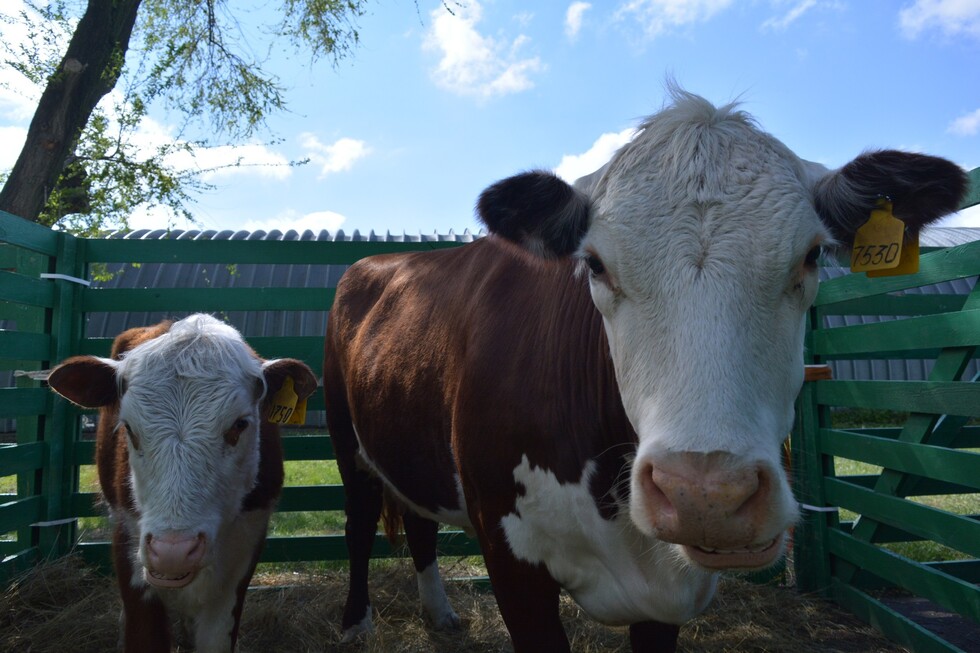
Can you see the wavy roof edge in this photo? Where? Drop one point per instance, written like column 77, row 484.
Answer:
column 930, row 237
column 292, row 234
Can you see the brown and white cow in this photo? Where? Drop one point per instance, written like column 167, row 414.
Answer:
column 600, row 389
column 190, row 467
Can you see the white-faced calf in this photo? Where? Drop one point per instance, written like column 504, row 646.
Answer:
column 190, row 467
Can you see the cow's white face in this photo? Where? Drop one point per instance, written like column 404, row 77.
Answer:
column 700, row 239
column 703, row 272
column 190, row 407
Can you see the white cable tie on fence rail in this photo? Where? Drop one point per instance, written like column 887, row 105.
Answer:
column 807, row 506
column 33, row 375
column 53, row 522
column 65, row 277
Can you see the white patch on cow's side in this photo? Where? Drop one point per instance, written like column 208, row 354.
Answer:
column 432, row 594
column 363, row 627
column 618, row 575
column 455, row 516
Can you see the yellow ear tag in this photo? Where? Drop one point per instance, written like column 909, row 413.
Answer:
column 299, row 415
column 878, row 242
column 284, row 403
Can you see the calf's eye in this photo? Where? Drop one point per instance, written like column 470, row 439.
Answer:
column 596, row 266
column 812, row 256
column 235, row 432
column 133, row 438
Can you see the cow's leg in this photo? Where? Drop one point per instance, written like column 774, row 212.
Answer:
column 421, row 535
column 653, row 637
column 363, row 509
column 527, row 596
column 145, row 628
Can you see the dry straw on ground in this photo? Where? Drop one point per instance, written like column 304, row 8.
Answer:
column 66, row 606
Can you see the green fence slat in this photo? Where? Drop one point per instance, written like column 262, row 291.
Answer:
column 307, row 447
column 27, row 234
column 911, row 304
column 25, row 346
column 18, row 402
column 952, row 466
column 955, row 531
column 87, row 504
column 960, row 329
column 306, row 252
column 896, row 626
column 206, row 299
column 951, row 593
column 21, row 458
column 20, row 512
column 24, row 290
column 296, row 498
column 922, row 486
column 935, row 397
column 943, row 265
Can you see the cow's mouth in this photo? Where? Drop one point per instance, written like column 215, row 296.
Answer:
column 754, row 556
column 169, row 581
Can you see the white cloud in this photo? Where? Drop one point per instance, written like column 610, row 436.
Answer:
column 966, row 125
column 473, row 64
column 778, row 24
column 290, row 219
column 573, row 18
column 951, row 17
column 573, row 166
column 336, row 157
column 658, row 17
column 13, row 142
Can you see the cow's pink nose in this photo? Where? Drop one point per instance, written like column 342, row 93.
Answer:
column 707, row 500
column 173, row 558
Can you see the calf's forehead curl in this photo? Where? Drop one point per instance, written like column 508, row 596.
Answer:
column 200, row 348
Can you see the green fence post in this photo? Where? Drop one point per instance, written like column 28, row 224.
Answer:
column 62, row 425
column 811, row 558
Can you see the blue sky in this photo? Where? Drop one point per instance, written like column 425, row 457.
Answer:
column 432, row 107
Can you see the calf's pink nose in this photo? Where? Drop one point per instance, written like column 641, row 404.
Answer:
column 175, row 554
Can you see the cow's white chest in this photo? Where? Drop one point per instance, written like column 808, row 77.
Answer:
column 617, row 575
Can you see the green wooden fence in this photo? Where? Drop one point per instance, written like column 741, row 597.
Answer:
column 849, row 560
column 854, row 558
column 40, row 520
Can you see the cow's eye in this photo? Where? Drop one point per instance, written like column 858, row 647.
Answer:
column 235, row 432
column 133, row 438
column 812, row 256
column 595, row 265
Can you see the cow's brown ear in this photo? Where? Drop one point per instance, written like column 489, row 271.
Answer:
column 276, row 372
column 87, row 381
column 922, row 189
column 538, row 211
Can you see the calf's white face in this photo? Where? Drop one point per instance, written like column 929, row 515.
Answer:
column 700, row 239
column 191, row 409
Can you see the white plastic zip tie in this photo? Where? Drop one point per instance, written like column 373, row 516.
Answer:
column 807, row 506
column 65, row 277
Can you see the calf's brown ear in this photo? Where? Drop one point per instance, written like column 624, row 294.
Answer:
column 87, row 381
column 922, row 189
column 277, row 371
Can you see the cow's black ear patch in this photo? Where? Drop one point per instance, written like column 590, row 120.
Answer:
column 538, row 211
column 922, row 189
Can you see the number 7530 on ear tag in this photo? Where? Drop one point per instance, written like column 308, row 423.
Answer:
column 881, row 247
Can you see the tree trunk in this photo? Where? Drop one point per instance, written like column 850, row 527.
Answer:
column 87, row 72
